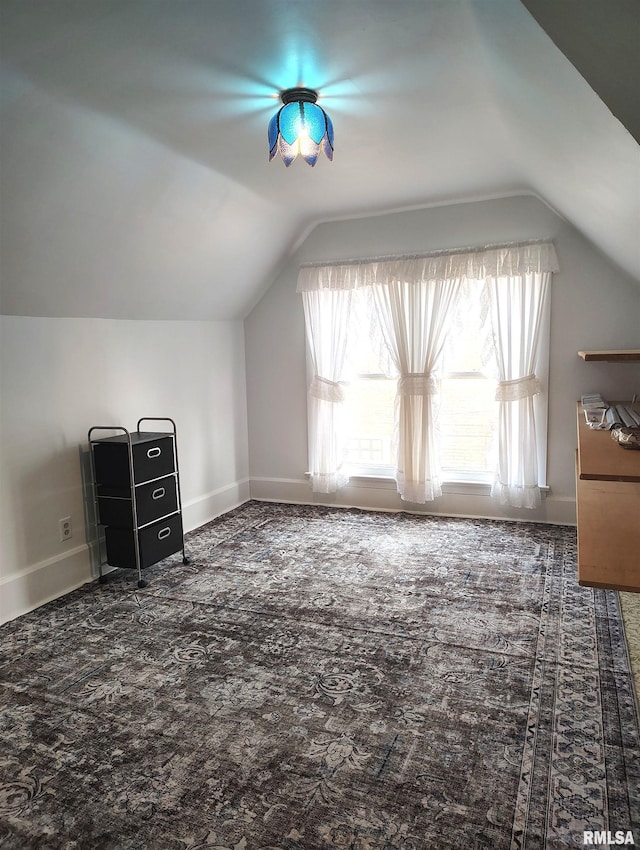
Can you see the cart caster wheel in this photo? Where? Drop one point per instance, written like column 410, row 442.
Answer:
column 102, row 579
column 186, row 560
column 142, row 583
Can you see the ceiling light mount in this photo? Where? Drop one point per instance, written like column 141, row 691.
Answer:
column 300, row 126
column 298, row 95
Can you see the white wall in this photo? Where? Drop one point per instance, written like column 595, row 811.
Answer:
column 59, row 377
column 594, row 305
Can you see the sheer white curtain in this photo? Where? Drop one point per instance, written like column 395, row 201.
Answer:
column 414, row 316
column 517, row 304
column 414, row 295
column 326, row 315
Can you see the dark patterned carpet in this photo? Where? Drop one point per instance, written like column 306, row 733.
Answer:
column 322, row 678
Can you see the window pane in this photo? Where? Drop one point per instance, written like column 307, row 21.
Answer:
column 369, row 405
column 466, row 347
column 468, row 410
column 468, row 421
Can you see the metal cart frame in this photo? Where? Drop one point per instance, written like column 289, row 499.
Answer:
column 185, row 560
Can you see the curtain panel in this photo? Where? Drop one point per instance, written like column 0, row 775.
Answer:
column 517, row 304
column 326, row 315
column 414, row 319
column 413, row 297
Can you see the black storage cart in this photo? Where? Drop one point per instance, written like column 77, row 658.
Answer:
column 136, row 489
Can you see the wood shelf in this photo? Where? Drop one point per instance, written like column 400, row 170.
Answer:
column 629, row 355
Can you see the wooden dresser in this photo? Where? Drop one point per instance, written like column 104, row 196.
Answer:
column 608, row 504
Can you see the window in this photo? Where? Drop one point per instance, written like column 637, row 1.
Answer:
column 468, row 409
column 446, row 410
column 468, row 412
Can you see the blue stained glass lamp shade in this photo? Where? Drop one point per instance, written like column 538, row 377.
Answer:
column 300, row 127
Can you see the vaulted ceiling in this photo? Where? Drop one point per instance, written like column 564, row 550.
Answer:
column 135, row 177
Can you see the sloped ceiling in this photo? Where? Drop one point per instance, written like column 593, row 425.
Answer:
column 135, row 178
column 602, row 40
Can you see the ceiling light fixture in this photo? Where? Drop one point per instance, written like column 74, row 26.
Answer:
column 300, row 126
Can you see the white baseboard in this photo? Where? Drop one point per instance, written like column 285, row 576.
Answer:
column 47, row 580
column 197, row 512
column 462, row 500
column 44, row 581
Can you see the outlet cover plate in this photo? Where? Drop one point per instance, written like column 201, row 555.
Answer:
column 66, row 531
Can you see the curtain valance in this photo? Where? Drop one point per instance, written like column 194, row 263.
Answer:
column 480, row 263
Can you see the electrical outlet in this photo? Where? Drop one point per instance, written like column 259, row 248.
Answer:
column 64, row 525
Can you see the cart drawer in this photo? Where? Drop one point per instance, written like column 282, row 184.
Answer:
column 153, row 457
column 156, row 499
column 156, row 541
column 153, row 500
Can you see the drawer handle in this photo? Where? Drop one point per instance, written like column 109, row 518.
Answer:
column 164, row 533
column 159, row 493
column 156, row 451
